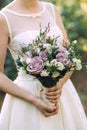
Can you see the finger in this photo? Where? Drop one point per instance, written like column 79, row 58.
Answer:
column 47, row 114
column 66, row 42
column 54, row 101
column 50, row 108
column 54, row 97
column 54, row 93
column 56, row 87
column 51, row 114
column 52, row 88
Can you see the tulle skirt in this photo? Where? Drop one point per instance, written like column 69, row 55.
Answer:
column 17, row 114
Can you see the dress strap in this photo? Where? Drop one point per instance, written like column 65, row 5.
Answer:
column 8, row 24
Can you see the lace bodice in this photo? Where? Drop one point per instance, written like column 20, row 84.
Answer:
column 24, row 28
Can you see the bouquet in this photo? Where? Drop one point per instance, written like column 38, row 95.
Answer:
column 46, row 59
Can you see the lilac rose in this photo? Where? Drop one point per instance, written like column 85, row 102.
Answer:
column 43, row 55
column 63, row 58
column 62, row 55
column 62, row 49
column 35, row 66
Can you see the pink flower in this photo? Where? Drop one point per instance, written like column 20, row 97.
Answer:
column 36, row 66
column 63, row 58
column 43, row 55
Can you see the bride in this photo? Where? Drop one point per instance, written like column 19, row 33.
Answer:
column 23, row 108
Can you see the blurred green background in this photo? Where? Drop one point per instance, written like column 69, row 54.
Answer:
column 74, row 16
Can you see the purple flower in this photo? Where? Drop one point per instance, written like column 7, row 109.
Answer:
column 62, row 49
column 67, row 62
column 63, row 58
column 43, row 55
column 36, row 66
column 62, row 55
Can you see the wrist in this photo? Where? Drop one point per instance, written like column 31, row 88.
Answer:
column 65, row 78
column 33, row 99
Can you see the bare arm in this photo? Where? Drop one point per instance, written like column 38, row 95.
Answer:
column 6, row 84
column 61, row 26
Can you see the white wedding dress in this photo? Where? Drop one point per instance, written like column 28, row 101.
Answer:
column 17, row 114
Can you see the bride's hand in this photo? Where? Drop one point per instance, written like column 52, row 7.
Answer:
column 44, row 108
column 54, row 93
column 66, row 42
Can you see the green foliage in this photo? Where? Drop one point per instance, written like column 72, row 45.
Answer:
column 4, row 2
column 75, row 20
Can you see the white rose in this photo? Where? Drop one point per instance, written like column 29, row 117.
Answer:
column 74, row 60
column 78, row 67
column 53, row 62
column 44, row 73
column 47, row 63
column 37, row 50
column 77, row 61
column 22, row 72
column 28, row 60
column 55, row 74
column 47, row 46
column 60, row 66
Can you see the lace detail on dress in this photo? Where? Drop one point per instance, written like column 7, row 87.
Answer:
column 34, row 15
column 25, row 22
